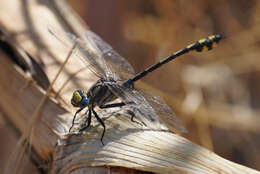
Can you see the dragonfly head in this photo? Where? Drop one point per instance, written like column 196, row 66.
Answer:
column 79, row 99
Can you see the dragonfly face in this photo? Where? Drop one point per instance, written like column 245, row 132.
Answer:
column 79, row 99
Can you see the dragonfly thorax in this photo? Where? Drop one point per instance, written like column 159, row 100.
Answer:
column 100, row 94
column 79, row 99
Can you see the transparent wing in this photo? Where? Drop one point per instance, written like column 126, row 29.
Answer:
column 100, row 58
column 150, row 109
column 86, row 50
column 138, row 105
column 165, row 113
column 114, row 60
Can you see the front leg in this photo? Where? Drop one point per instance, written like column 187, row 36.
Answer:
column 78, row 111
column 102, row 123
column 89, row 121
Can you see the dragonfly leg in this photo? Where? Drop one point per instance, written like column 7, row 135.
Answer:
column 134, row 121
column 129, row 112
column 133, row 116
column 78, row 111
column 112, row 105
column 102, row 123
column 88, row 120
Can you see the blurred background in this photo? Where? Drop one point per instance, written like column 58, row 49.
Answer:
column 216, row 94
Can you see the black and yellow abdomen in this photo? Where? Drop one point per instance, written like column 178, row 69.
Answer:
column 202, row 45
column 205, row 44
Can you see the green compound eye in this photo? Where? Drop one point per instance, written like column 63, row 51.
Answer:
column 76, row 97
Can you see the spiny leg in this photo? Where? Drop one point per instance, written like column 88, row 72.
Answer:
column 89, row 121
column 78, row 111
column 102, row 123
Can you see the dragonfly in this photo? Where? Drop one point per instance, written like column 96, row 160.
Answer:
column 116, row 81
